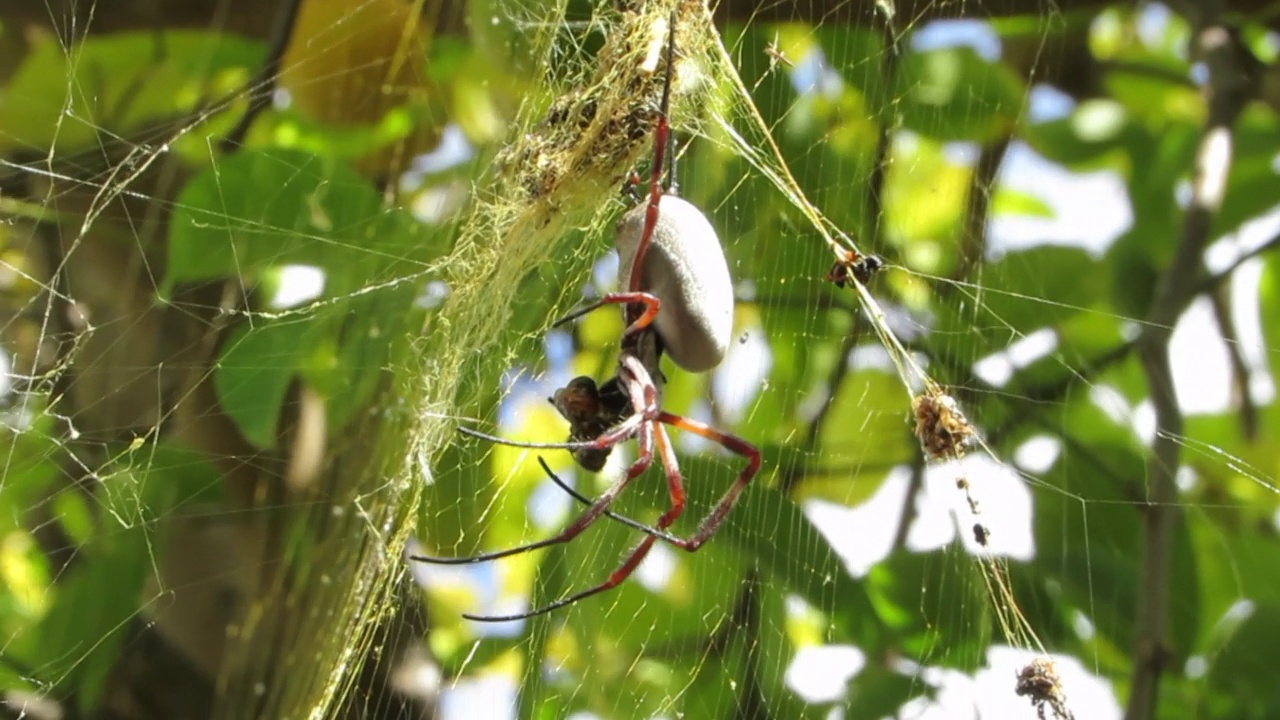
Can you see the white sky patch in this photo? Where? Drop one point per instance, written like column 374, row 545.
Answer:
column 1090, row 210
column 1144, row 422
column 1048, row 103
column 453, row 150
column 863, row 536
column 1198, row 358
column 657, row 569
column 299, row 284
column 821, row 674
column 813, row 75
column 549, row 506
column 1112, row 403
column 6, row 374
column 433, row 295
column 993, row 687
column 1038, row 454
column 973, row 34
column 737, row 382
column 488, row 696
column 990, row 692
column 998, row 368
column 1004, row 500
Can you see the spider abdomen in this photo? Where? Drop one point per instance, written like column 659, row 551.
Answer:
column 686, row 269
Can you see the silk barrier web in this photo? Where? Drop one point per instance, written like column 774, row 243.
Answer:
column 259, row 266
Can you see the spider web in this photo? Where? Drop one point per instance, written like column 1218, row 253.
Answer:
column 236, row 373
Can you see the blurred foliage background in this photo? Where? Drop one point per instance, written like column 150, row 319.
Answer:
column 260, row 259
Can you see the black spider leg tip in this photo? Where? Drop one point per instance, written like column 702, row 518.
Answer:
column 629, row 522
column 583, row 595
column 584, row 445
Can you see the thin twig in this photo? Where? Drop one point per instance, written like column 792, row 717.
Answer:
column 1212, row 281
column 262, row 86
column 977, row 212
column 1226, row 93
column 909, row 509
column 1239, row 368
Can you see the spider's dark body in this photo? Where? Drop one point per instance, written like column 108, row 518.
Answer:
column 591, row 411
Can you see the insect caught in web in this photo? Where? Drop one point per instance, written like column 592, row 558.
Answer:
column 678, row 300
column 854, row 265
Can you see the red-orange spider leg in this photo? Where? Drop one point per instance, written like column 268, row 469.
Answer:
column 661, row 135
column 650, row 302
column 734, row 444
column 574, row 529
column 641, row 551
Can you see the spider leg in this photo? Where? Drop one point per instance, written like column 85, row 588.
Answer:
column 623, row 572
column 629, row 522
column 633, row 560
column 708, row 527
column 675, row 484
column 650, row 302
column 575, row 528
column 618, row 434
column 661, row 140
column 734, row 444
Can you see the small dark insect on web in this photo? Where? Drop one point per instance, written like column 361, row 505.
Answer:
column 854, row 265
column 678, row 301
column 981, row 534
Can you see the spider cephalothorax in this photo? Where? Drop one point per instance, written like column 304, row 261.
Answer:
column 590, row 411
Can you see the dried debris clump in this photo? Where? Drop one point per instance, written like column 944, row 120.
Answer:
column 1040, row 683
column 943, row 430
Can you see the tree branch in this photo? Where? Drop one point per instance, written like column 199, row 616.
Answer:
column 977, row 211
column 1239, row 368
column 1226, row 93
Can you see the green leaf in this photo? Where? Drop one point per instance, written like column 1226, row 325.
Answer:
column 878, row 692
column 354, row 337
column 924, row 200
column 1252, row 184
column 78, row 640
column 1093, row 137
column 266, row 209
column 930, row 601
column 1097, row 577
column 1038, row 288
column 868, row 421
column 1009, row 202
column 115, row 84
column 1243, row 669
column 953, row 94
column 254, row 372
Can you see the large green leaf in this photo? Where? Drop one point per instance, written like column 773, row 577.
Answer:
column 257, row 365
column 259, row 210
column 117, row 84
column 954, row 94
column 1242, row 674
